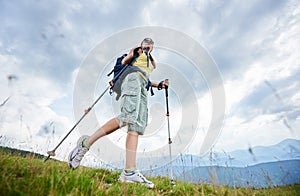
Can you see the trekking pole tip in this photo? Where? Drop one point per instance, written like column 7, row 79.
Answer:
column 47, row 158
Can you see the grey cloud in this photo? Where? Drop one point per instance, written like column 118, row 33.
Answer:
column 240, row 23
column 51, row 128
column 271, row 98
column 51, row 38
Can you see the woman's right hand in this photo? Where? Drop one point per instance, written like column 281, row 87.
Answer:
column 129, row 56
column 132, row 50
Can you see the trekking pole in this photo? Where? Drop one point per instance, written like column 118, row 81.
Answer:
column 169, row 134
column 86, row 111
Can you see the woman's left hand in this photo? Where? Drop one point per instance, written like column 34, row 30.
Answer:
column 165, row 83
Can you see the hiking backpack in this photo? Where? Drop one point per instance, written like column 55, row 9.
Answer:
column 120, row 71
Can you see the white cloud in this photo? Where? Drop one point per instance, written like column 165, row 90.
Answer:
column 262, row 130
column 262, row 82
column 27, row 109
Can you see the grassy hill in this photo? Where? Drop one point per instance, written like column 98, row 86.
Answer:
column 23, row 173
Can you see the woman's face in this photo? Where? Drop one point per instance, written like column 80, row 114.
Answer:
column 148, row 45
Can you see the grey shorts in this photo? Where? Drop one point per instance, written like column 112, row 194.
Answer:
column 134, row 109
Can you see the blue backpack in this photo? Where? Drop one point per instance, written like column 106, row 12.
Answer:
column 121, row 71
column 117, row 70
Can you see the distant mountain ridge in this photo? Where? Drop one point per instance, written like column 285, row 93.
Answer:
column 258, row 176
column 288, row 149
column 258, row 167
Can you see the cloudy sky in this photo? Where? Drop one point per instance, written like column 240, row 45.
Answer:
column 254, row 43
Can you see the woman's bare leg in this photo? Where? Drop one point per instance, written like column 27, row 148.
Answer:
column 131, row 147
column 109, row 127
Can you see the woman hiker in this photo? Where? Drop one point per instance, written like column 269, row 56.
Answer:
column 134, row 112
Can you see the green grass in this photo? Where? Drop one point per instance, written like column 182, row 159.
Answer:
column 28, row 175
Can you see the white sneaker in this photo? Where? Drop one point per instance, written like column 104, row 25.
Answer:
column 77, row 154
column 135, row 176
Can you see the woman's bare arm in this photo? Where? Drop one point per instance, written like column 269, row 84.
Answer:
column 130, row 55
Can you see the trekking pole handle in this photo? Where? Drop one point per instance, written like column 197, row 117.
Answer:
column 167, row 101
column 166, row 89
